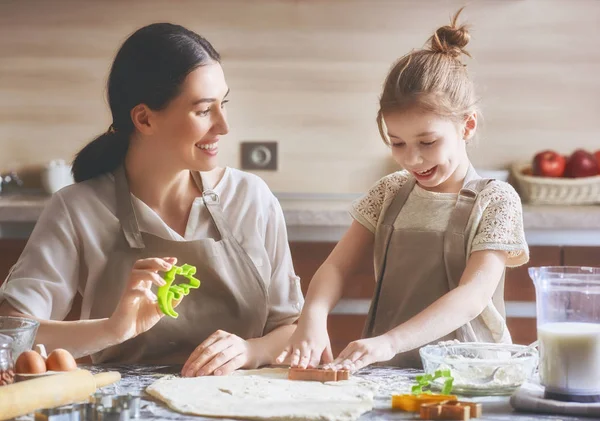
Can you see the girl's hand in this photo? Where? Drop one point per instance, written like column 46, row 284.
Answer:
column 308, row 346
column 361, row 353
column 138, row 310
column 220, row 354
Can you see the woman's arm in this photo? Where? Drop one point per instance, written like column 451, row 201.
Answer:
column 80, row 338
column 136, row 312
column 223, row 352
column 269, row 346
column 310, row 341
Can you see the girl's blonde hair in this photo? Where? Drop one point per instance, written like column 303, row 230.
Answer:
column 433, row 78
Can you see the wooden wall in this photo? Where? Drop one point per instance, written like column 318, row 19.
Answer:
column 306, row 73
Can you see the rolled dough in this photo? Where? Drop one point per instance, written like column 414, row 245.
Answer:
column 265, row 394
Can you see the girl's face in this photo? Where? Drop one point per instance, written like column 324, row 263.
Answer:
column 188, row 130
column 431, row 148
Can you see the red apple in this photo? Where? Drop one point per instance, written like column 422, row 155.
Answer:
column 581, row 164
column 549, row 164
column 597, row 155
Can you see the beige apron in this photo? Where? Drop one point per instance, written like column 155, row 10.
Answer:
column 415, row 268
column 232, row 296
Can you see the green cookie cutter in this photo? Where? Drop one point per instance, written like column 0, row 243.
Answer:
column 168, row 293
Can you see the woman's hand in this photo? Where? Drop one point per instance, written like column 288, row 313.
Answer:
column 138, row 309
column 361, row 353
column 220, row 354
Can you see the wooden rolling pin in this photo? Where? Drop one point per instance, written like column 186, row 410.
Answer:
column 51, row 391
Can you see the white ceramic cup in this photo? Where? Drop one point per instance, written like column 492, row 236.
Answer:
column 56, row 175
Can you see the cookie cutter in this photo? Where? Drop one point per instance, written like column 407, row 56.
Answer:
column 102, row 407
column 75, row 412
column 450, row 410
column 64, row 413
column 130, row 403
column 168, row 293
column 111, row 413
column 412, row 403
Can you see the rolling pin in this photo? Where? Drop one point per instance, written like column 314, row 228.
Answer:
column 51, row 391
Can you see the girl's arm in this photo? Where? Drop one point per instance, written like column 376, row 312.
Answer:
column 327, row 285
column 310, row 340
column 461, row 305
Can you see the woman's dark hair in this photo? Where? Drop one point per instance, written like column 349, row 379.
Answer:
column 149, row 68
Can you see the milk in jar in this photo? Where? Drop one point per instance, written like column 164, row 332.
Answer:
column 570, row 356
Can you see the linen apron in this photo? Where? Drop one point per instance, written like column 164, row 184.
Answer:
column 232, row 295
column 414, row 268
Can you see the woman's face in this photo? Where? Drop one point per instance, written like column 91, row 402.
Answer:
column 188, row 130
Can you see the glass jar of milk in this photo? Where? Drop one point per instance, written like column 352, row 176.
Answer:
column 568, row 328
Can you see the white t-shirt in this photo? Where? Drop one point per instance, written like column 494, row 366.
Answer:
column 70, row 244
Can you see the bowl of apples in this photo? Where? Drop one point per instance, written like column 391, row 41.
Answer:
column 555, row 179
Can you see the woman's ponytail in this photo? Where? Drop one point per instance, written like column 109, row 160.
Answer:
column 102, row 155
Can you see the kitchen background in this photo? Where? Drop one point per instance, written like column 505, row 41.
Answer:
column 307, row 74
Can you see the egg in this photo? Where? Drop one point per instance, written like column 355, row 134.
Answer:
column 30, row 362
column 60, row 360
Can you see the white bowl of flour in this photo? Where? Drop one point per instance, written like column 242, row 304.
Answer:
column 481, row 368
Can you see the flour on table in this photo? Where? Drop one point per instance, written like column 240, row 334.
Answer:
column 265, row 394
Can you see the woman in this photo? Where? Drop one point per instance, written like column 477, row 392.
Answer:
column 149, row 194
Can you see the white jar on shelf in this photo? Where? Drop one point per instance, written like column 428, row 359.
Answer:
column 56, row 175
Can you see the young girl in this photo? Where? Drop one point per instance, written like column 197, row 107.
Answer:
column 441, row 236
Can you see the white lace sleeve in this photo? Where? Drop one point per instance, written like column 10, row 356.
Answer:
column 367, row 209
column 501, row 224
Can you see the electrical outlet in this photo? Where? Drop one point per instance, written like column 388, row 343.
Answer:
column 259, row 156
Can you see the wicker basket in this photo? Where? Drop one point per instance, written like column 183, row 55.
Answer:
column 556, row 191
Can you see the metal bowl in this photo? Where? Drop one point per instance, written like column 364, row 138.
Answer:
column 21, row 330
column 481, row 368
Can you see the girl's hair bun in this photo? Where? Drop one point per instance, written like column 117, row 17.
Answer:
column 450, row 39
